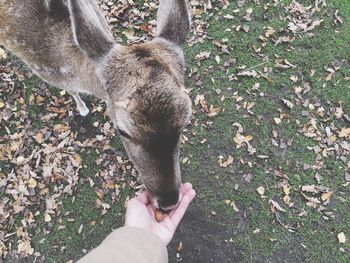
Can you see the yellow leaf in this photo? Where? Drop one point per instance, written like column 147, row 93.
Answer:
column 286, row 189
column 248, row 138
column 237, row 139
column 2, row 104
column 326, row 196
column 324, row 153
column 286, row 199
column 32, row 183
column 333, row 138
column 329, row 77
column 77, row 157
column 61, row 128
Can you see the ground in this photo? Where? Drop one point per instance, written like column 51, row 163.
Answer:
column 267, row 149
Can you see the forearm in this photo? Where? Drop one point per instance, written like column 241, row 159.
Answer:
column 129, row 245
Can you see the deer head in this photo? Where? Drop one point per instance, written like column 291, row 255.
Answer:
column 146, row 98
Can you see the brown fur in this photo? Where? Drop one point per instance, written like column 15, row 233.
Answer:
column 68, row 44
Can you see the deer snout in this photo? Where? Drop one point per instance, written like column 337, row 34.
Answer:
column 167, row 201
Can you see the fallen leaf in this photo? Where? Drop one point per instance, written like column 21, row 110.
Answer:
column 226, row 163
column 326, row 196
column 277, row 120
column 47, row 217
column 80, row 229
column 338, row 18
column 276, row 205
column 32, row 183
column 341, row 237
column 344, row 132
column 293, row 78
column 269, row 32
column 249, row 12
column 251, row 73
column 25, row 247
column 284, row 63
column 313, row 200
column 261, row 190
column 2, row 54
column 217, row 59
column 203, row 55
column 180, row 247
column 288, row 103
column 248, row 138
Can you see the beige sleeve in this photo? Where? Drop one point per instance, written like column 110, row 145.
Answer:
column 129, row 245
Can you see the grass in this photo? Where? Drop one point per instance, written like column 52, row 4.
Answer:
column 256, row 234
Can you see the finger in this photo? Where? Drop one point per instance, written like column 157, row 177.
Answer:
column 143, row 198
column 177, row 214
column 151, row 209
column 185, row 187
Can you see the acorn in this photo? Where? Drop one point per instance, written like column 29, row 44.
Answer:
column 158, row 215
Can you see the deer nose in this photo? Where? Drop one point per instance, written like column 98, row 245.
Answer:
column 169, row 201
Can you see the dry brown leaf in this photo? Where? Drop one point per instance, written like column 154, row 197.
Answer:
column 274, row 204
column 284, row 63
column 338, row 18
column 203, row 55
column 180, row 247
column 25, row 247
column 251, row 73
column 226, row 163
column 313, row 200
column 326, row 196
column 344, row 132
column 269, row 32
column 288, row 103
column 213, row 111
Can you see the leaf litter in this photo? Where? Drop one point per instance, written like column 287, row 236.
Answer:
column 41, row 161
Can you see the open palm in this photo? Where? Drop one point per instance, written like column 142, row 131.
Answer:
column 140, row 213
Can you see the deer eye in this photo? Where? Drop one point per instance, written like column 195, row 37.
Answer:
column 124, row 134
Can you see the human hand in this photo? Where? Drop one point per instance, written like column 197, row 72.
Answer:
column 140, row 213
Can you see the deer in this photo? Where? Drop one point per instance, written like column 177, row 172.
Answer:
column 68, row 44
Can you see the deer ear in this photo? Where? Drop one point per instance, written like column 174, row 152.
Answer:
column 90, row 29
column 173, row 21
